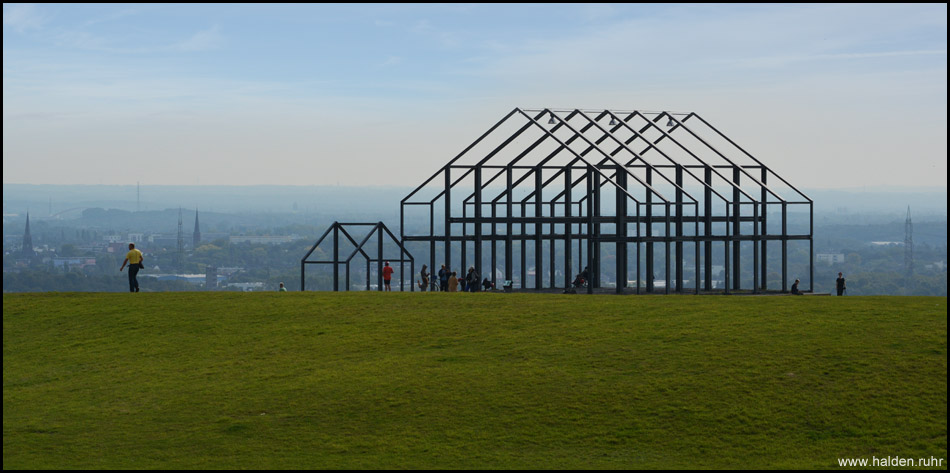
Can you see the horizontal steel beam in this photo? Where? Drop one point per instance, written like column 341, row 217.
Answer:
column 608, row 219
column 610, row 238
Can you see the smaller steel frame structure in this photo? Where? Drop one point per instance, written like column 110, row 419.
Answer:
column 380, row 231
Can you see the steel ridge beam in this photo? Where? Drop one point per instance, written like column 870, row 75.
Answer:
column 625, row 147
column 749, row 175
column 457, row 157
column 760, row 164
column 652, row 145
column 598, row 171
column 665, row 134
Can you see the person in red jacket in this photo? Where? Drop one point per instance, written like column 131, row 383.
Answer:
column 387, row 276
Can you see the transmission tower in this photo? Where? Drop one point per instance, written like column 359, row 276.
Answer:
column 909, row 246
column 181, row 244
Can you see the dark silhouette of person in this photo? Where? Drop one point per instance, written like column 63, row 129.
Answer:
column 443, row 279
column 424, row 275
column 795, row 290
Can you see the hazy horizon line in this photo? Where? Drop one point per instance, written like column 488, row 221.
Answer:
column 846, row 188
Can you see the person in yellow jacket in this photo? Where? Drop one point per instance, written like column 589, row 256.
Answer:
column 134, row 258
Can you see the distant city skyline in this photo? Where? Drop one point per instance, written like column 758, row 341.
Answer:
column 829, row 96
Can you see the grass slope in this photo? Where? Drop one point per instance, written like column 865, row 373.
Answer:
column 369, row 380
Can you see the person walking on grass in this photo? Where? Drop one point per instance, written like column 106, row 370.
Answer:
column 134, row 259
column 839, row 284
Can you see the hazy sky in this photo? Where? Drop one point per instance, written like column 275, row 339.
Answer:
column 826, row 95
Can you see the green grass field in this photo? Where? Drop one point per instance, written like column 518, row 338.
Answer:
column 399, row 380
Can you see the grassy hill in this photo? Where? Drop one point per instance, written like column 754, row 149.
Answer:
column 370, row 380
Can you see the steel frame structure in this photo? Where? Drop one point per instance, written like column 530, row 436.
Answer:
column 668, row 184
column 380, row 231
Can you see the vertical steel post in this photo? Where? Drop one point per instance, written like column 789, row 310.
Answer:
column 478, row 220
column 708, row 230
column 464, row 257
column 696, row 247
column 639, row 233
column 551, row 248
column 784, row 246
column 431, row 242
column 755, row 248
column 621, row 233
column 524, row 246
column 568, row 273
column 725, row 278
column 765, row 230
column 811, row 247
column 666, row 245
column 402, row 239
column 509, row 229
column 538, row 211
column 651, row 271
column 336, row 258
column 448, row 215
column 580, row 242
column 595, row 269
column 591, row 228
column 494, row 244
column 735, row 229
column 379, row 261
column 679, row 228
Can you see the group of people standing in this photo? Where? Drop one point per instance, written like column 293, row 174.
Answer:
column 450, row 282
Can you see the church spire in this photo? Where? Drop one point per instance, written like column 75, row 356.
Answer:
column 197, row 235
column 27, row 248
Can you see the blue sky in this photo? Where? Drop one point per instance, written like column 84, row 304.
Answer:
column 827, row 95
